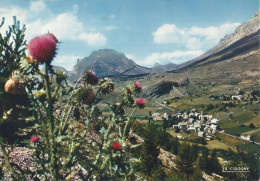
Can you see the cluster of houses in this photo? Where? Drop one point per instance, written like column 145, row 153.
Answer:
column 204, row 125
column 230, row 97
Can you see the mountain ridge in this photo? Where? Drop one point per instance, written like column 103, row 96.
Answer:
column 245, row 34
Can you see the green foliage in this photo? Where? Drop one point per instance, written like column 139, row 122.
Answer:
column 72, row 133
column 150, row 150
column 187, row 155
column 12, row 48
column 209, row 107
column 209, row 162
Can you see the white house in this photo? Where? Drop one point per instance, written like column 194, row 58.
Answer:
column 180, row 137
column 236, row 97
column 197, row 126
column 191, row 129
column 182, row 125
column 201, row 134
column 245, row 137
column 166, row 116
column 175, row 126
column 213, row 126
column 214, row 121
column 155, row 114
column 209, row 137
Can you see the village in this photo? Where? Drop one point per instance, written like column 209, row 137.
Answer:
column 206, row 126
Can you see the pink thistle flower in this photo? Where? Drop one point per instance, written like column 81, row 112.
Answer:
column 116, row 146
column 43, row 48
column 35, row 139
column 138, row 85
column 140, row 102
column 52, row 37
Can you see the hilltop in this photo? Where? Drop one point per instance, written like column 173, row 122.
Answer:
column 106, row 62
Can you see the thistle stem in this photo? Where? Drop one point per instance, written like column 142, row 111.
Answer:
column 53, row 147
column 128, row 120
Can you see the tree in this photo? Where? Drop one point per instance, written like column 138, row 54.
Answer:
column 177, row 130
column 213, row 165
column 203, row 162
column 149, row 150
column 186, row 157
column 165, row 124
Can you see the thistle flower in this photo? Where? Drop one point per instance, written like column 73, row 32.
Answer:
column 52, row 37
column 138, row 86
column 116, row 146
column 60, row 76
column 34, row 139
column 140, row 102
column 106, row 86
column 86, row 96
column 13, row 86
column 118, row 109
column 90, row 77
column 43, row 48
column 128, row 96
column 129, row 91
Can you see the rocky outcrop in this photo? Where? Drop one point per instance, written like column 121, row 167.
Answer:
column 242, row 31
column 244, row 40
column 106, row 62
column 160, row 89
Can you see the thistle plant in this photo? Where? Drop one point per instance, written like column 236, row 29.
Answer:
column 70, row 136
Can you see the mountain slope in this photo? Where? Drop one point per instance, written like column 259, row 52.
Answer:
column 106, row 62
column 245, row 39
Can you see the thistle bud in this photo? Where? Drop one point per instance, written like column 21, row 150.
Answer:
column 90, row 77
column 86, row 96
column 106, row 86
column 13, row 86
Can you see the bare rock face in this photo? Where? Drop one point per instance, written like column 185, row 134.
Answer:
column 242, row 31
column 160, row 89
column 105, row 62
column 244, row 40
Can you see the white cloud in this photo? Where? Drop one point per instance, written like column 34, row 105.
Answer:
column 37, row 6
column 176, row 57
column 168, row 33
column 66, row 61
column 194, row 37
column 93, row 39
column 64, row 26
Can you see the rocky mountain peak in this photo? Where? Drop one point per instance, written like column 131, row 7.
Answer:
column 105, row 62
column 242, row 31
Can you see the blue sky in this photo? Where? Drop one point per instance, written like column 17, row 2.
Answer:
column 147, row 31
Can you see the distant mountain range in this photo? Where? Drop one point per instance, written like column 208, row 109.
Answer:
column 158, row 68
column 108, row 62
